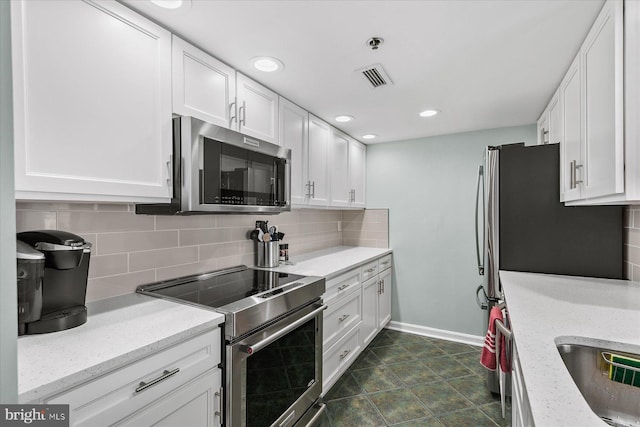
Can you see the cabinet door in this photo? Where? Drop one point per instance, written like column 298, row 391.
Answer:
column 92, row 102
column 384, row 298
column 555, row 124
column 197, row 403
column 339, row 155
column 257, row 109
column 369, row 327
column 357, row 172
column 319, row 140
column 602, row 154
column 294, row 135
column 203, row 87
column 571, row 116
column 543, row 128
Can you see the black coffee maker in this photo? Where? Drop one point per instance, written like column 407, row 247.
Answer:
column 59, row 303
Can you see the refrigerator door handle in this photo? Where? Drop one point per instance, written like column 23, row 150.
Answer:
column 480, row 188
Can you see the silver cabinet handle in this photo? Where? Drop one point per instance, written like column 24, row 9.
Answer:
column 383, row 286
column 573, row 174
column 313, row 189
column 252, row 348
column 218, row 413
column 166, row 374
column 369, row 270
column 170, row 170
column 379, row 287
column 343, row 287
column 343, row 355
column 343, row 317
column 243, row 114
column 233, row 108
column 308, row 185
column 545, row 133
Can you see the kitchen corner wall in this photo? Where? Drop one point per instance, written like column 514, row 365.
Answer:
column 130, row 250
column 632, row 242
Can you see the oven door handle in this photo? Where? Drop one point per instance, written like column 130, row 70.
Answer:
column 252, row 348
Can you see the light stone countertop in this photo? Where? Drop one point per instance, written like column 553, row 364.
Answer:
column 547, row 309
column 331, row 262
column 118, row 331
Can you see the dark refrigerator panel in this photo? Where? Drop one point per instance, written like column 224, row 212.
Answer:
column 540, row 234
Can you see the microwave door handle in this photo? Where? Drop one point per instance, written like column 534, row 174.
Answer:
column 480, row 188
column 252, row 348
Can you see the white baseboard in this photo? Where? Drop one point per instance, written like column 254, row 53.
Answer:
column 437, row 333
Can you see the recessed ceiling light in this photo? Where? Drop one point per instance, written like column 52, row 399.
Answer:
column 168, row 4
column 429, row 113
column 368, row 136
column 267, row 64
column 344, row 119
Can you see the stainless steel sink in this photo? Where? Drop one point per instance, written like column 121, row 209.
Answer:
column 616, row 403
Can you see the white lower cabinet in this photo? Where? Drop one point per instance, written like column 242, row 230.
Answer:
column 339, row 357
column 359, row 306
column 198, row 403
column 180, row 382
column 370, row 292
column 520, row 410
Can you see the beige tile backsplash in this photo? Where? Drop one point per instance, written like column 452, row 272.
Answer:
column 129, row 249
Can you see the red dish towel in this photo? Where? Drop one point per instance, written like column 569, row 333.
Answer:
column 488, row 354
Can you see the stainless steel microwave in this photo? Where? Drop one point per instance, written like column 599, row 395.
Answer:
column 217, row 170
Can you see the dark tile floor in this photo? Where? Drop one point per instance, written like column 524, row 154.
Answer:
column 408, row 380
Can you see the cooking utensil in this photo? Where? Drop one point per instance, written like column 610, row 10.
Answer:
column 266, row 237
column 280, row 235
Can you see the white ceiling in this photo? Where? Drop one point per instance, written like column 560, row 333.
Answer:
column 484, row 64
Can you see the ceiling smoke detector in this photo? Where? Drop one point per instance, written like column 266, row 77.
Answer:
column 375, row 75
column 375, row 42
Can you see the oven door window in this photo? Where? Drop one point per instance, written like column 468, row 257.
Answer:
column 279, row 374
column 237, row 176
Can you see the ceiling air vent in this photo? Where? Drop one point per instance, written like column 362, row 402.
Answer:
column 375, row 75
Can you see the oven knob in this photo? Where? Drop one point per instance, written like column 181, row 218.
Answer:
column 247, row 349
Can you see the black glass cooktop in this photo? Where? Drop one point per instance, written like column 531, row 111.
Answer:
column 220, row 290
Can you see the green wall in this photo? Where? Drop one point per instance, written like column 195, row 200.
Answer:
column 429, row 186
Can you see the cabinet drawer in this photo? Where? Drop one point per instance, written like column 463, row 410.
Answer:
column 339, row 357
column 114, row 396
column 369, row 270
column 384, row 263
column 342, row 315
column 342, row 285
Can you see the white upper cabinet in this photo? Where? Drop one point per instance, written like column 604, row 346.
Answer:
column 357, row 173
column 203, row 87
column 92, row 102
column 554, row 120
column 592, row 110
column 549, row 128
column 571, row 140
column 318, row 175
column 603, row 147
column 294, row 135
column 347, row 171
column 257, row 109
column 340, row 188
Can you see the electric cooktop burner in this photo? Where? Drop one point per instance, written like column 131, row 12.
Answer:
column 220, row 290
column 247, row 297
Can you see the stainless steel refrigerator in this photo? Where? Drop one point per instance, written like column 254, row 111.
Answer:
column 521, row 225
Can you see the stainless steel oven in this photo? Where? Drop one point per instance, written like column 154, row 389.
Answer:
column 275, row 374
column 273, row 341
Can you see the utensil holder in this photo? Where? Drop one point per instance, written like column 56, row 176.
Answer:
column 268, row 254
